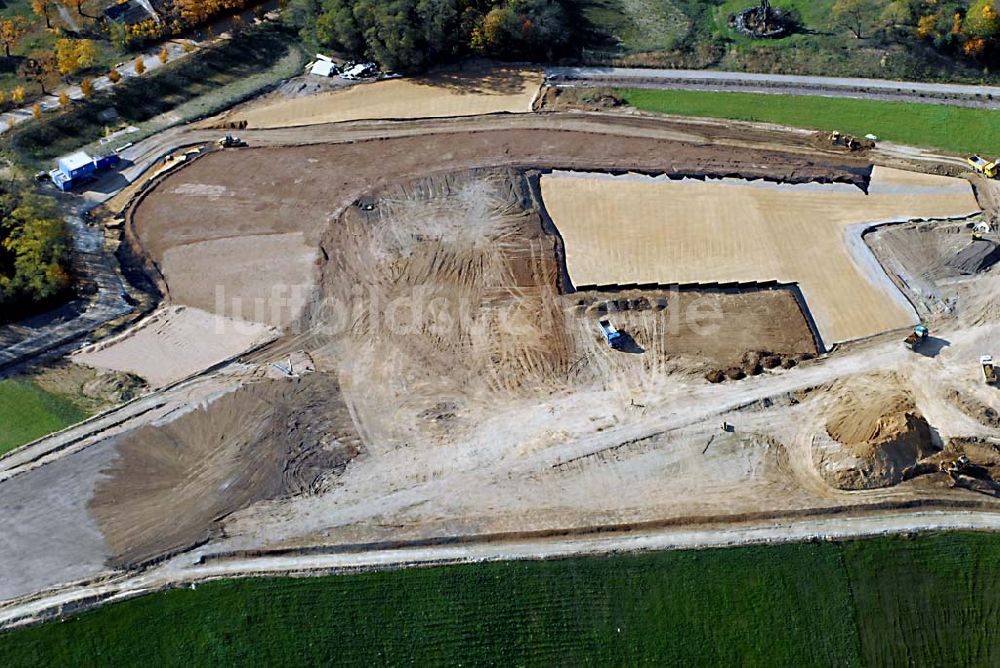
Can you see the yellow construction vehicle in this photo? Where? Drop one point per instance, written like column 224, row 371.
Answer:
column 850, row 142
column 988, row 169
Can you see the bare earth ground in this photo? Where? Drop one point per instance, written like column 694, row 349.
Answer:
column 634, row 229
column 175, row 342
column 455, row 391
column 439, row 96
column 719, row 327
column 263, row 278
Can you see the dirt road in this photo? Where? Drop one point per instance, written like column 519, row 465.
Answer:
column 181, row 571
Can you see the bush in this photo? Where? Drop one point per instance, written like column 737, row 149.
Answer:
column 34, row 253
column 413, row 34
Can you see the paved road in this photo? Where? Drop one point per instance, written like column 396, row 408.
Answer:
column 838, row 86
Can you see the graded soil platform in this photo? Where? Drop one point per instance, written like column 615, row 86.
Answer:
column 174, row 343
column 439, row 96
column 636, row 229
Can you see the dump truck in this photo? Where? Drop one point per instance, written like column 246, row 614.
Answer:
column 989, row 371
column 231, row 141
column 917, row 337
column 983, row 166
column 613, row 337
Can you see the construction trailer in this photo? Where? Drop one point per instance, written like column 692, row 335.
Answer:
column 323, row 67
column 77, row 168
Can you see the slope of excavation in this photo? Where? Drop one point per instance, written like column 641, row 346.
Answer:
column 635, row 229
column 172, row 481
column 438, row 96
column 441, row 287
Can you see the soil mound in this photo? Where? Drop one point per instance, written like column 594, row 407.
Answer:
column 114, row 387
column 977, row 257
column 173, row 482
column 879, row 431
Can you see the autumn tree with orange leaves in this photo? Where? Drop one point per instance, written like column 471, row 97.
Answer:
column 11, row 30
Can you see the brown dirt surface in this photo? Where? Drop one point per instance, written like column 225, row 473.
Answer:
column 638, row 229
column 715, row 328
column 435, row 96
column 877, row 423
column 280, row 193
column 588, row 99
column 986, row 414
column 277, row 190
column 257, row 278
column 171, row 482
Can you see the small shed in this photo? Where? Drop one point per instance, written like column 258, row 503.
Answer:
column 323, row 68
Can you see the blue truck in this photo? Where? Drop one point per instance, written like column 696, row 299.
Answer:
column 612, row 335
column 77, row 168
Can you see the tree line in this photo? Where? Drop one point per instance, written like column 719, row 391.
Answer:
column 409, row 35
column 34, row 252
column 965, row 29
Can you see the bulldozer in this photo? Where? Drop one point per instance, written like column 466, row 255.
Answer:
column 850, row 142
column 231, row 141
column 984, row 167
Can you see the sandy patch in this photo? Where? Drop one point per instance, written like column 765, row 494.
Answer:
column 260, row 278
column 637, row 229
column 440, row 96
column 174, row 343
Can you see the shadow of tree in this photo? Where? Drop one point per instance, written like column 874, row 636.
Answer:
column 480, row 80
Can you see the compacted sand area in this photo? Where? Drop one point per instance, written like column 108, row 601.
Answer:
column 638, row 229
column 174, row 343
column 506, row 90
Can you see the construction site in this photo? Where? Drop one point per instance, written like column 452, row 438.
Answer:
column 493, row 331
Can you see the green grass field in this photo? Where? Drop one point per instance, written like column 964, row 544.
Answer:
column 27, row 412
column 887, row 601
column 956, row 129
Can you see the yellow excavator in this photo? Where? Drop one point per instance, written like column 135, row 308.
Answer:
column 983, row 166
